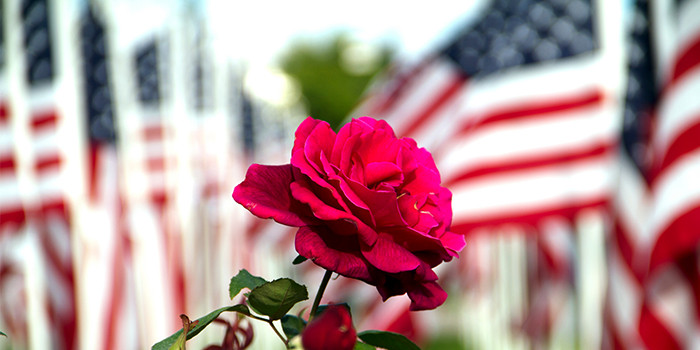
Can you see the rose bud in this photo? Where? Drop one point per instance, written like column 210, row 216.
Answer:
column 332, row 329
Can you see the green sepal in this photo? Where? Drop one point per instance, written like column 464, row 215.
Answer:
column 202, row 322
column 182, row 338
column 276, row 298
column 243, row 280
column 292, row 325
column 322, row 308
column 387, row 340
column 298, row 260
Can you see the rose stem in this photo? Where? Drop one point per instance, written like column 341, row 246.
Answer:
column 319, row 294
column 284, row 340
column 269, row 321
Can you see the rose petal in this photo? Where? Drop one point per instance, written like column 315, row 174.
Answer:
column 349, row 158
column 378, row 124
column 367, row 144
column 388, row 285
column 426, row 223
column 319, row 208
column 426, row 296
column 388, row 256
column 432, row 258
column 420, row 155
column 357, row 207
column 378, row 146
column 421, row 180
column 409, row 209
column 405, row 158
column 332, row 252
column 424, row 273
column 328, row 168
column 342, row 140
column 303, row 131
column 382, row 205
column 323, row 211
column 454, row 242
column 415, row 242
column 266, row 193
column 383, row 172
column 318, row 143
column 321, row 187
column 445, row 204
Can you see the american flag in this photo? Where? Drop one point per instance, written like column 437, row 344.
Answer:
column 51, row 210
column 210, row 160
column 12, row 214
column 654, row 292
column 13, row 303
column 518, row 110
column 151, row 161
column 107, row 262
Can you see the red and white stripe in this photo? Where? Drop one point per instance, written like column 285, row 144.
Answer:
column 627, row 249
column 153, row 137
column 160, row 165
column 52, row 215
column 529, row 147
column 671, row 316
column 106, row 269
column 12, row 213
column 13, row 300
column 517, row 148
column 676, row 195
column 654, row 285
column 520, row 147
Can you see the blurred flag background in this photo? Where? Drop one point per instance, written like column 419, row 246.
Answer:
column 567, row 131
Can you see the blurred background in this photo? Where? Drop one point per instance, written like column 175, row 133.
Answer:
column 567, row 131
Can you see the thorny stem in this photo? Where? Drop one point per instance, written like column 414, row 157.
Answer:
column 319, row 294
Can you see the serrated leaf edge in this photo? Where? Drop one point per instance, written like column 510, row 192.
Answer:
column 287, row 291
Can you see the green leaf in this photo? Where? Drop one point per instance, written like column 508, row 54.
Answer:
column 298, row 260
column 243, row 280
column 3, row 334
column 275, row 298
column 179, row 343
column 363, row 346
column 202, row 322
column 387, row 340
column 292, row 325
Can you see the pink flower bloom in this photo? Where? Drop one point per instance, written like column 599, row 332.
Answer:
column 332, row 329
column 368, row 206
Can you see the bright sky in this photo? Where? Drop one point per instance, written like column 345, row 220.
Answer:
column 258, row 30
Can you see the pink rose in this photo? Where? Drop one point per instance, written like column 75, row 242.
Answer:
column 332, row 329
column 368, row 206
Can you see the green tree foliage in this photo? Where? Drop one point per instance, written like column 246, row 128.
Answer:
column 333, row 74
